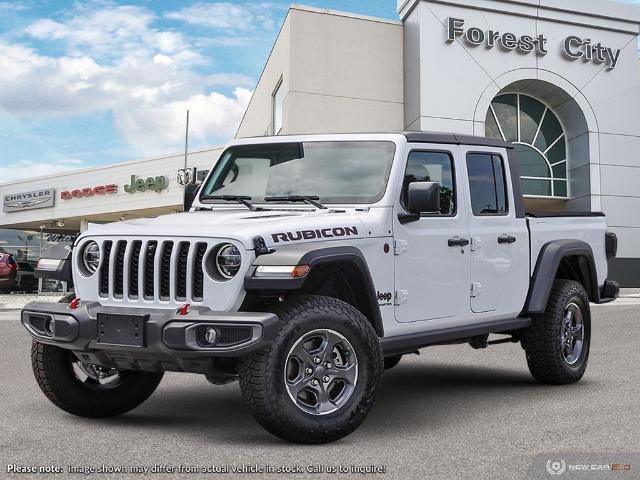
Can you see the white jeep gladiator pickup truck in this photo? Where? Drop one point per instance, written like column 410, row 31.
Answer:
column 306, row 265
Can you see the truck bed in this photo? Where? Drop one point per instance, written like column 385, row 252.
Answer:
column 590, row 227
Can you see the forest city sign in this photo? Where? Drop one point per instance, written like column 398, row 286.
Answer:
column 573, row 47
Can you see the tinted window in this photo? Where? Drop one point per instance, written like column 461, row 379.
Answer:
column 337, row 172
column 432, row 167
column 487, row 184
column 278, row 96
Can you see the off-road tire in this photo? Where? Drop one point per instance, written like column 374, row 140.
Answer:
column 262, row 379
column 52, row 367
column 542, row 340
column 392, row 361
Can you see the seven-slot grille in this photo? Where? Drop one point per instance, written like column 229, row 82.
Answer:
column 154, row 269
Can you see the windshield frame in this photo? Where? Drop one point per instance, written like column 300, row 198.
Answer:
column 205, row 200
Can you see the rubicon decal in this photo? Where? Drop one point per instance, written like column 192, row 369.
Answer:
column 88, row 192
column 313, row 234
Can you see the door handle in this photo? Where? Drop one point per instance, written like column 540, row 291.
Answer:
column 506, row 239
column 458, row 242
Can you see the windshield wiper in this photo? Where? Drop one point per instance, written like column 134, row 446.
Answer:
column 310, row 199
column 242, row 199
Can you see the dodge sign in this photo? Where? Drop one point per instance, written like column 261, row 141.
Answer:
column 17, row 202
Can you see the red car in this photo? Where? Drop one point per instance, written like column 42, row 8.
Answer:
column 8, row 273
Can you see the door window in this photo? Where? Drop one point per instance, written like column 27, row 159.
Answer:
column 487, row 184
column 425, row 166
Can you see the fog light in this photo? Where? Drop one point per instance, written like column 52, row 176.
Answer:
column 210, row 335
column 49, row 327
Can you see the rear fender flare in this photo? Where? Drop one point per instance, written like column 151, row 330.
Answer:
column 546, row 269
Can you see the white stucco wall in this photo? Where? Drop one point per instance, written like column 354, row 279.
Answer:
column 258, row 118
column 340, row 72
column 449, row 86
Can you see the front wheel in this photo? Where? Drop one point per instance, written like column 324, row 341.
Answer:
column 88, row 390
column 557, row 343
column 317, row 382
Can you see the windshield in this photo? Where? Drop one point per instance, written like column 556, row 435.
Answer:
column 336, row 172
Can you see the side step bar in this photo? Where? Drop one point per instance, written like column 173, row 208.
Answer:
column 409, row 343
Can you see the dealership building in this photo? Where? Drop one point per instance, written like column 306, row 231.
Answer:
column 558, row 78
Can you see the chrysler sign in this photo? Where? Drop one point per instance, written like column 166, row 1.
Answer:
column 17, row 202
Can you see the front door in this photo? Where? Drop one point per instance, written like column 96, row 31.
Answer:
column 432, row 260
column 499, row 240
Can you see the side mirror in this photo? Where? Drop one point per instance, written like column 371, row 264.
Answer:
column 190, row 194
column 422, row 197
column 55, row 263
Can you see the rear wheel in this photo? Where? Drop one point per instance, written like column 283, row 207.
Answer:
column 317, row 382
column 557, row 343
column 88, row 390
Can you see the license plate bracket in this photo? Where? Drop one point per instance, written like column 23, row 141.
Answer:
column 121, row 329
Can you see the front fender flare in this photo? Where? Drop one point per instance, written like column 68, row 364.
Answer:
column 314, row 255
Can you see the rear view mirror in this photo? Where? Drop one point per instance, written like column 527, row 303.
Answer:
column 423, row 197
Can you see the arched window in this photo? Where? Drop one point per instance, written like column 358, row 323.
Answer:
column 539, row 139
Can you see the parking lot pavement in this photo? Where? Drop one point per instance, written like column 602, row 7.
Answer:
column 14, row 301
column 452, row 412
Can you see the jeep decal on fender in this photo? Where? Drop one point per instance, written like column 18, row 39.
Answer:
column 312, row 234
column 384, row 298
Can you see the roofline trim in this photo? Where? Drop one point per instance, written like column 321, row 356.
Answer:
column 340, row 13
column 455, row 139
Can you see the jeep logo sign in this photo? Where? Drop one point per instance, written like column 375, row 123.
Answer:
column 17, row 202
column 151, row 184
column 313, row 234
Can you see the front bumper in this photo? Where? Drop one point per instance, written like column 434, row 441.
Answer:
column 148, row 339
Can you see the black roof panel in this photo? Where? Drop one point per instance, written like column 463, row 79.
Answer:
column 454, row 139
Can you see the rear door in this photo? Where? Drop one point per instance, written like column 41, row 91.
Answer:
column 499, row 249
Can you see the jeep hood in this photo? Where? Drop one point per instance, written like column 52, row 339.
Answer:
column 277, row 227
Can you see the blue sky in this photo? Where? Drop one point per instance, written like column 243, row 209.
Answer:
column 98, row 82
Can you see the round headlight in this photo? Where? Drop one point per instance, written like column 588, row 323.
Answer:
column 91, row 257
column 228, row 261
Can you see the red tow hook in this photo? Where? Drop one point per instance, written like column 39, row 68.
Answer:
column 73, row 304
column 184, row 309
